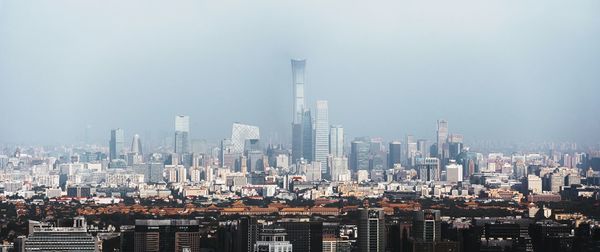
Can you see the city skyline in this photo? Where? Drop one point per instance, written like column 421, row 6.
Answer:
column 488, row 86
column 299, row 126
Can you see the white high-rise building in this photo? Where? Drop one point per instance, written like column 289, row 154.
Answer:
column 454, row 172
column 534, row 183
column 336, row 141
column 339, row 169
column 312, row 171
column 136, row 144
column 195, row 174
column 240, row 133
column 321, row 149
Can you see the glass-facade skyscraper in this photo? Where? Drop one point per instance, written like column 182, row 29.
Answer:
column 298, row 67
column 371, row 230
column 117, row 143
column 321, row 149
column 182, row 134
column 442, row 138
column 307, row 136
column 359, row 153
column 395, row 154
column 336, row 141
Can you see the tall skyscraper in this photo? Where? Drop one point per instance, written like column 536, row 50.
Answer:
column 423, row 147
column 442, row 139
column 336, row 141
column 371, row 230
column 394, row 155
column 240, row 133
column 136, row 145
column 339, row 169
column 411, row 150
column 307, row 136
column 296, row 142
column 226, row 154
column 427, row 226
column 455, row 145
column 117, row 142
column 298, row 67
column 359, row 155
column 322, row 134
column 182, row 134
column 304, row 235
column 428, row 169
column 167, row 235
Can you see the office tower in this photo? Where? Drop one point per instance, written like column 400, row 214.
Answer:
column 359, row 155
column 394, row 155
column 469, row 161
column 209, row 174
column 454, row 172
column 117, row 143
column 298, row 67
column 306, row 236
column 237, row 235
column 321, row 149
column 307, row 136
column 167, row 235
column 153, row 172
column 272, row 238
column 182, row 134
column 557, row 180
column 296, row 142
column 336, row 141
column 181, row 174
column 423, row 147
column 411, row 150
column 339, row 169
column 313, row 171
column 254, row 161
column 408, row 139
column 195, row 174
column 371, row 230
column 376, row 145
column 226, row 154
column 136, row 144
column 427, row 226
column 46, row 238
column 442, row 138
column 455, row 145
column 135, row 155
column 520, row 169
column 428, row 169
column 534, row 183
column 240, row 133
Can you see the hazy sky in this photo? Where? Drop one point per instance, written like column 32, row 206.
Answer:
column 516, row 70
